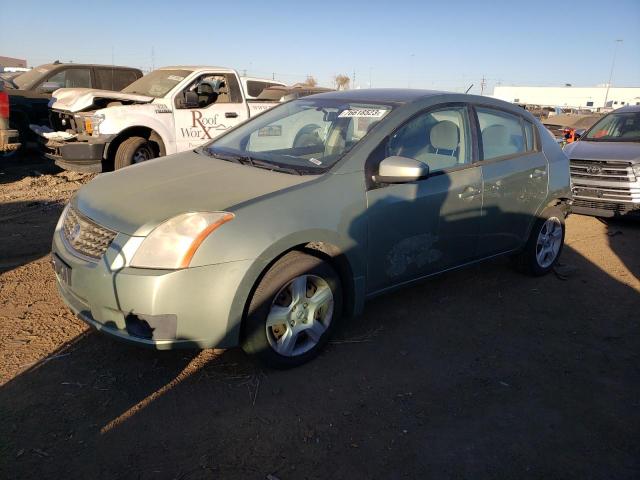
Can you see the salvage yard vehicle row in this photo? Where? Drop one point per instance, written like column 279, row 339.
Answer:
column 171, row 109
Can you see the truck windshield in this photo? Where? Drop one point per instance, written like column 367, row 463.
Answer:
column 616, row 127
column 157, row 83
column 305, row 136
column 26, row 80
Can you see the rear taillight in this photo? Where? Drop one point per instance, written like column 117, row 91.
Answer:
column 4, row 105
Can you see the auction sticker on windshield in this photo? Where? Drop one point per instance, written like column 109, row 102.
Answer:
column 363, row 113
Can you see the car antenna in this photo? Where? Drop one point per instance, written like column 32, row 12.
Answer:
column 470, row 87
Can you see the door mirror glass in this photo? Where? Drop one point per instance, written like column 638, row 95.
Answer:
column 187, row 100
column 49, row 87
column 396, row 169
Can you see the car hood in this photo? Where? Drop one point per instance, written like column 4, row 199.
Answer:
column 78, row 99
column 585, row 150
column 136, row 199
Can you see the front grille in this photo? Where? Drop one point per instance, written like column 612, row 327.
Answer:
column 85, row 236
column 619, row 208
column 602, row 170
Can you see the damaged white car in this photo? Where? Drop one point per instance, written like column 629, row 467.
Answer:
column 170, row 110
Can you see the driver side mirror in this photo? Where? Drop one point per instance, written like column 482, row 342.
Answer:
column 580, row 132
column 396, row 169
column 188, row 100
column 49, row 87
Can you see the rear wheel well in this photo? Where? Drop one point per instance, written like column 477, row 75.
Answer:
column 145, row 132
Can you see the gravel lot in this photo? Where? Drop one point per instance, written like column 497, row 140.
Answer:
column 481, row 373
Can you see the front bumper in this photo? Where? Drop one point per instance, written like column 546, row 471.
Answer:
column 86, row 154
column 604, row 208
column 9, row 140
column 162, row 309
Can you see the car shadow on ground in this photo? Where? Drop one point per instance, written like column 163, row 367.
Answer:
column 25, row 164
column 26, row 229
column 624, row 240
column 479, row 373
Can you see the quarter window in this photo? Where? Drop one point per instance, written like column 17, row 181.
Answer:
column 438, row 138
column 503, row 134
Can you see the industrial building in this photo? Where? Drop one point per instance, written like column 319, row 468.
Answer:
column 12, row 62
column 591, row 98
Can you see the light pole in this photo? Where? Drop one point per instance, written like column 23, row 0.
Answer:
column 613, row 62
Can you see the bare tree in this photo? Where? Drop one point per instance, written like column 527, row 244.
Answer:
column 310, row 82
column 342, row 82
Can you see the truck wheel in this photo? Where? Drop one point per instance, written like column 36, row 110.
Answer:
column 293, row 311
column 133, row 150
column 544, row 245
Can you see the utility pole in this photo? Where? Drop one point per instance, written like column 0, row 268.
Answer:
column 483, row 84
column 153, row 58
column 613, row 62
column 273, row 76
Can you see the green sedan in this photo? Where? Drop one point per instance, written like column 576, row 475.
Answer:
column 282, row 227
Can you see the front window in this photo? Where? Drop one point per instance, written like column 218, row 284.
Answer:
column 157, row 83
column 616, row 127
column 302, row 136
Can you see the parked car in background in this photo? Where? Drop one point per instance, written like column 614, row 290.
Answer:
column 284, row 93
column 169, row 110
column 9, row 141
column 605, row 166
column 253, row 87
column 30, row 92
column 268, row 236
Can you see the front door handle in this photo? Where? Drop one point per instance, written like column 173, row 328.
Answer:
column 538, row 173
column 231, row 115
column 469, row 193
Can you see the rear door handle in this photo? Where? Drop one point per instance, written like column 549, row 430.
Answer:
column 231, row 115
column 538, row 173
column 469, row 193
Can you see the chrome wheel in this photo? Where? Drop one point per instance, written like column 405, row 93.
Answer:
column 141, row 155
column 549, row 242
column 300, row 313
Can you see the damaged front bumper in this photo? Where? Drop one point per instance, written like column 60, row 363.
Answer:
column 76, row 152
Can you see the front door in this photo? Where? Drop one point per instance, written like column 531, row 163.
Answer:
column 514, row 172
column 427, row 226
column 220, row 107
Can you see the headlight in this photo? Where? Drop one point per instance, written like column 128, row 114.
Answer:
column 92, row 124
column 636, row 170
column 173, row 243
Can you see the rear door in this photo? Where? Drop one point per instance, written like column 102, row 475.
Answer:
column 109, row 78
column 515, row 174
column 221, row 106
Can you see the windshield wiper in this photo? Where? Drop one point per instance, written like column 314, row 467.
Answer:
column 248, row 160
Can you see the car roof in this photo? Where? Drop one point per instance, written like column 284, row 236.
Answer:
column 389, row 95
column 195, row 68
column 101, row 65
column 627, row 109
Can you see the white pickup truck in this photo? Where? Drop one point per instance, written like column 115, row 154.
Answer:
column 169, row 110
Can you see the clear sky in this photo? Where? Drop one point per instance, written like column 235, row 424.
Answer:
column 422, row 44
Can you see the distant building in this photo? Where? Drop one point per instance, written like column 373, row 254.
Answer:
column 591, row 98
column 12, row 62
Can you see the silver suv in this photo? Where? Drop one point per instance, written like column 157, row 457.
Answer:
column 605, row 166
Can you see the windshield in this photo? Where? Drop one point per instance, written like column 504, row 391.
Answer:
column 616, row 127
column 306, row 136
column 157, row 83
column 30, row 78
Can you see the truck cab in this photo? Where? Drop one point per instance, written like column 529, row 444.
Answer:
column 170, row 110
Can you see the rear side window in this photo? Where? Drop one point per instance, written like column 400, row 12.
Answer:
column 114, row 79
column 255, row 87
column 503, row 134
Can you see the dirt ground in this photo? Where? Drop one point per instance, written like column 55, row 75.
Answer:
column 481, row 373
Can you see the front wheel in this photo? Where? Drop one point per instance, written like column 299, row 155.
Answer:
column 293, row 311
column 133, row 150
column 545, row 243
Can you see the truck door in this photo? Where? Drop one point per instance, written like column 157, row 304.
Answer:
column 207, row 107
